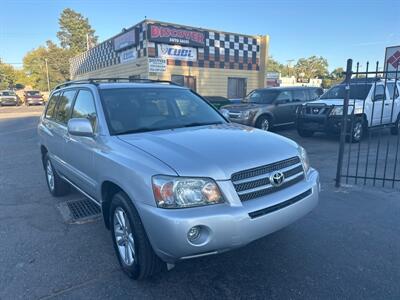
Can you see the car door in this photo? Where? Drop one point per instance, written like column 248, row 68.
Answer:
column 59, row 128
column 381, row 105
column 393, row 91
column 300, row 96
column 79, row 149
column 283, row 112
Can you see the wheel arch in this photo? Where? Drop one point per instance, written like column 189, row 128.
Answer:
column 264, row 114
column 108, row 190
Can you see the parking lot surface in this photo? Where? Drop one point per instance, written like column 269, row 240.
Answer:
column 347, row 248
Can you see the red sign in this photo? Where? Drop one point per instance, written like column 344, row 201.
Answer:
column 168, row 34
column 394, row 60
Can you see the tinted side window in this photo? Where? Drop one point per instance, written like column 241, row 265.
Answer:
column 299, row 96
column 51, row 106
column 315, row 93
column 379, row 93
column 393, row 90
column 284, row 97
column 64, row 106
column 84, row 107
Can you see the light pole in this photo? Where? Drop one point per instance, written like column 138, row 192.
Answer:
column 47, row 74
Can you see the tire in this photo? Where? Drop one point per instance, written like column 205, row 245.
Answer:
column 396, row 129
column 358, row 131
column 264, row 123
column 141, row 262
column 305, row 132
column 56, row 185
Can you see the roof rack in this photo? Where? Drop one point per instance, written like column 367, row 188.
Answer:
column 363, row 80
column 97, row 81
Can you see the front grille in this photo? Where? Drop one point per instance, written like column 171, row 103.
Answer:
column 316, row 109
column 255, row 183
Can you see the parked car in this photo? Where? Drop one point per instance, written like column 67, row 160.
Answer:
column 268, row 107
column 370, row 105
column 169, row 172
column 217, row 101
column 8, row 97
column 33, row 98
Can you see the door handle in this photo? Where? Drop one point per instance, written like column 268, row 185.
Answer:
column 387, row 104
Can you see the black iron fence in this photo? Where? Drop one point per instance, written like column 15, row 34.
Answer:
column 370, row 138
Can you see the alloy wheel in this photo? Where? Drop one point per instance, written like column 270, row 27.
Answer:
column 124, row 237
column 265, row 125
column 357, row 131
column 50, row 175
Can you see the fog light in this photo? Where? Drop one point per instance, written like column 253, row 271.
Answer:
column 193, row 233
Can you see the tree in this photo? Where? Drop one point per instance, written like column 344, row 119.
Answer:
column 57, row 63
column 75, row 31
column 337, row 74
column 7, row 76
column 312, row 67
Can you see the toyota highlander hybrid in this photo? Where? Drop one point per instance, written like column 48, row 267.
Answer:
column 172, row 176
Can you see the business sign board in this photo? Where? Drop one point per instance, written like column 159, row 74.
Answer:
column 177, row 52
column 128, row 55
column 173, row 35
column 125, row 40
column 272, row 75
column 392, row 61
column 157, row 65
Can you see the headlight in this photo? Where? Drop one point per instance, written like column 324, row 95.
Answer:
column 224, row 112
column 304, row 159
column 338, row 110
column 180, row 192
column 244, row 114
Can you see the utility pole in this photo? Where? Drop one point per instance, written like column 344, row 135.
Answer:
column 47, row 74
column 289, row 65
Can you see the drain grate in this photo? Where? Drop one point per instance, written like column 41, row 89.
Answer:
column 82, row 209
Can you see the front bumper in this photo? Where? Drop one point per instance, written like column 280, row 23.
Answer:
column 229, row 225
column 34, row 102
column 327, row 124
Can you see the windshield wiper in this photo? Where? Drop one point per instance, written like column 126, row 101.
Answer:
column 138, row 130
column 194, row 124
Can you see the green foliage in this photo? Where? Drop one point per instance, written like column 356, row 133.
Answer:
column 7, row 76
column 74, row 30
column 312, row 67
column 57, row 62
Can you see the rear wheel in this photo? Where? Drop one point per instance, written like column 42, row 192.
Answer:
column 135, row 254
column 56, row 185
column 264, row 123
column 396, row 129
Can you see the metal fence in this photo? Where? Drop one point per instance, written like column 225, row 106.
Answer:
column 374, row 158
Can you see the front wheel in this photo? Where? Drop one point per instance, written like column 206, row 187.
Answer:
column 264, row 123
column 304, row 132
column 357, row 133
column 135, row 254
column 396, row 129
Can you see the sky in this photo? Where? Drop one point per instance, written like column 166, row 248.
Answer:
column 336, row 29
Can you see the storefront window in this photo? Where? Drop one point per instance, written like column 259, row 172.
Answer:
column 188, row 81
column 237, row 88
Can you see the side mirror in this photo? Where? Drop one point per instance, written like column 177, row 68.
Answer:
column 80, row 127
column 225, row 113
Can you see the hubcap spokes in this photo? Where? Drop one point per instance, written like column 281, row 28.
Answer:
column 357, row 131
column 50, row 175
column 265, row 125
column 124, row 237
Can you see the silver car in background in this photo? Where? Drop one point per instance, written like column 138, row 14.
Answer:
column 8, row 97
column 175, row 180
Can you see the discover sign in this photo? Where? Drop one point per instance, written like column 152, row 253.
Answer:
column 177, row 52
column 173, row 35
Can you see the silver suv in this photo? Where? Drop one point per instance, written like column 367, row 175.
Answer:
column 174, row 179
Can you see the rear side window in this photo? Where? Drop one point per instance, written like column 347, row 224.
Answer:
column 64, row 106
column 299, row 96
column 393, row 90
column 379, row 93
column 84, row 107
column 51, row 106
column 284, row 97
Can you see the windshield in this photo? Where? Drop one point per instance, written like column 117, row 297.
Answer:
column 7, row 93
column 357, row 91
column 131, row 110
column 33, row 93
column 259, row 96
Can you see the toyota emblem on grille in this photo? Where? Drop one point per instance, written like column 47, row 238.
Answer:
column 315, row 110
column 277, row 178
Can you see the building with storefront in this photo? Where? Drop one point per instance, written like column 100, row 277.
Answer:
column 211, row 62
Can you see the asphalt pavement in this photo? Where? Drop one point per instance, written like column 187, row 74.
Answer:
column 347, row 248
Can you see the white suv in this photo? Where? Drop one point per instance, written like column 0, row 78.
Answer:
column 373, row 102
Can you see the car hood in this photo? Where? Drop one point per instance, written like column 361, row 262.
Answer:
column 215, row 151
column 242, row 106
column 336, row 101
